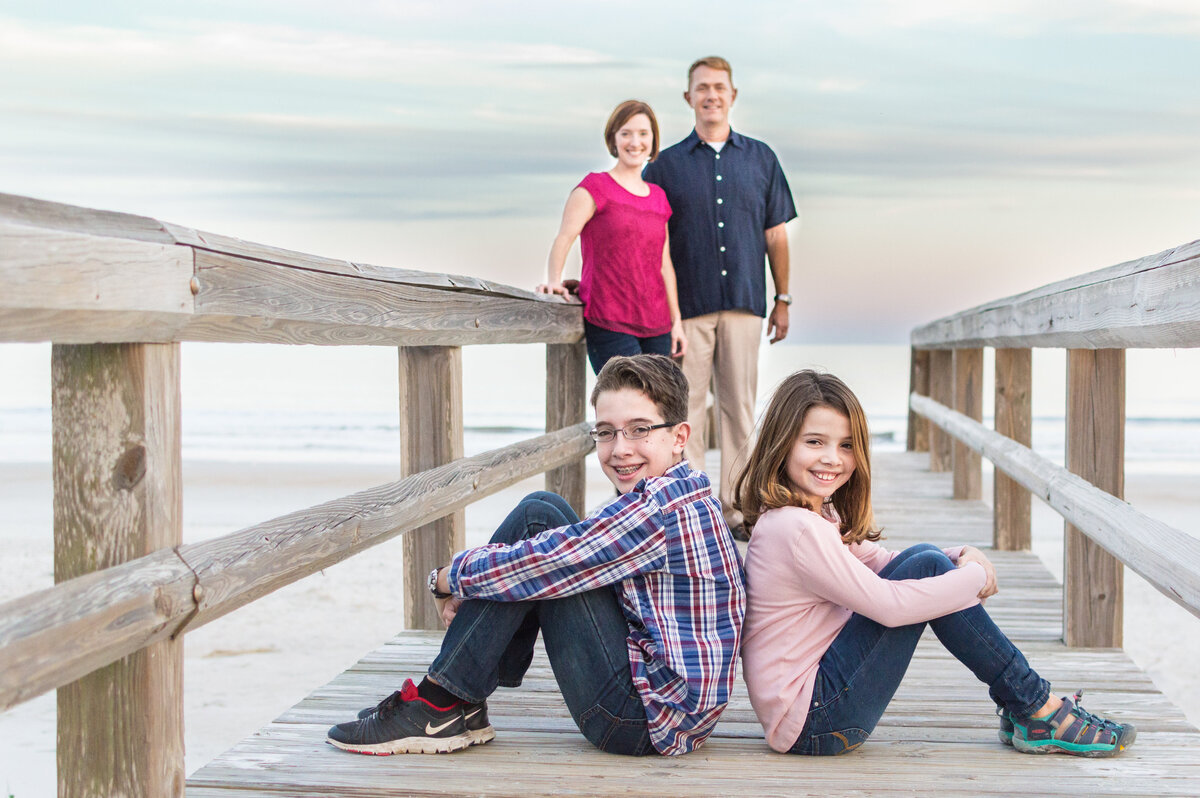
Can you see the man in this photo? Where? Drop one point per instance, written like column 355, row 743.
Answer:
column 640, row 604
column 730, row 202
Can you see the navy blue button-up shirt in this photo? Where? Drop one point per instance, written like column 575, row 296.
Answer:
column 722, row 203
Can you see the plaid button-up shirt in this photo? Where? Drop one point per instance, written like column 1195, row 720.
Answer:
column 666, row 550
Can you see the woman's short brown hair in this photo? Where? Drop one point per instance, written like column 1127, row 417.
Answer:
column 622, row 114
column 764, row 485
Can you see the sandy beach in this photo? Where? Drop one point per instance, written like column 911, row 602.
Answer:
column 243, row 670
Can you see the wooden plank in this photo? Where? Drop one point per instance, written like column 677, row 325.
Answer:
column 117, row 497
column 1168, row 558
column 431, row 434
column 968, row 400
column 1093, row 579
column 566, row 405
column 240, row 299
column 53, row 636
column 1148, row 303
column 941, row 390
column 1014, row 420
column 918, row 382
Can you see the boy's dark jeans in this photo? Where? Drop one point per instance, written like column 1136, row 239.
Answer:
column 863, row 667
column 490, row 643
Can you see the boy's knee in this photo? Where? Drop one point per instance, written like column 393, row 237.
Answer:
column 548, row 509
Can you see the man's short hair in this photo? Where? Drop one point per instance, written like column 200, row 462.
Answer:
column 622, row 114
column 712, row 62
column 657, row 376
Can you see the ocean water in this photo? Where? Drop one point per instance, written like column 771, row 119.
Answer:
column 250, row 403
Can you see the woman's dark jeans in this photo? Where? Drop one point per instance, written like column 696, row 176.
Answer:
column 490, row 643
column 603, row 344
column 863, row 667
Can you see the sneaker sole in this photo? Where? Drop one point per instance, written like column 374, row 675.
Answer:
column 1073, row 749
column 481, row 736
column 413, row 745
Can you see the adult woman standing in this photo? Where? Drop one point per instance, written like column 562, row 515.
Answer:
column 627, row 283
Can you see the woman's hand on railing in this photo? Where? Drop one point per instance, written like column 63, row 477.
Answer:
column 563, row 288
column 972, row 554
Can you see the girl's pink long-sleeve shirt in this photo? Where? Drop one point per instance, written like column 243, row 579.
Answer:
column 803, row 584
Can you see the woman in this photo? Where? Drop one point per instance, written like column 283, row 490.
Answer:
column 627, row 284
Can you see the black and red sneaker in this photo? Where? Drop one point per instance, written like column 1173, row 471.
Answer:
column 475, row 717
column 405, row 723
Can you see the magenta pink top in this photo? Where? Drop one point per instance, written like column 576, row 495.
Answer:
column 803, row 583
column 621, row 284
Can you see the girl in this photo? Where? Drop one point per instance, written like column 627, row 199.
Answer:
column 627, row 284
column 833, row 618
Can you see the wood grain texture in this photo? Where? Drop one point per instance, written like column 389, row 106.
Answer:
column 941, row 390
column 74, row 275
column 968, row 400
column 431, row 434
column 54, row 636
column 1095, row 450
column 938, row 736
column 118, row 497
column 566, row 405
column 1014, row 420
column 918, row 382
column 1151, row 302
column 1166, row 557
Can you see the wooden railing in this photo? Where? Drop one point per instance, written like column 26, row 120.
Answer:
column 1148, row 303
column 116, row 294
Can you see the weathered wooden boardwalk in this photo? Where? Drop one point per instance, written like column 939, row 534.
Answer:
column 937, row 738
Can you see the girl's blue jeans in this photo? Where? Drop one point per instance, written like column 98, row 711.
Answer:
column 490, row 644
column 863, row 667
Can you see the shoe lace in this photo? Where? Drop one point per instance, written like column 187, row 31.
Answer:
column 1095, row 720
column 389, row 704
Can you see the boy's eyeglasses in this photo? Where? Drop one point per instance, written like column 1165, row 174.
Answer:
column 634, row 432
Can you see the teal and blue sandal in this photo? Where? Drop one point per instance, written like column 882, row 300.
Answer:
column 1071, row 730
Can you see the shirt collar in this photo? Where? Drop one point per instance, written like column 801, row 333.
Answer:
column 693, row 140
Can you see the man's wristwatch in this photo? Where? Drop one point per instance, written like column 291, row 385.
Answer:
column 433, row 585
column 784, row 298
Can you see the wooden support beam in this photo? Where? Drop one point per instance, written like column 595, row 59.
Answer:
column 941, row 390
column 566, row 405
column 431, row 434
column 1014, row 420
column 968, row 400
column 117, row 497
column 1093, row 579
column 918, row 382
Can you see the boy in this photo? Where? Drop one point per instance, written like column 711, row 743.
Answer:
column 640, row 604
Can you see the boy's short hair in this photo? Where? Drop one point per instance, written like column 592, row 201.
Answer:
column 622, row 114
column 657, row 376
column 712, row 62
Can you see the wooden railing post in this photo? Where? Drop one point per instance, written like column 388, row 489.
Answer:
column 918, row 382
column 118, row 496
column 968, row 400
column 1093, row 578
column 941, row 390
column 566, row 404
column 431, row 434
column 1014, row 420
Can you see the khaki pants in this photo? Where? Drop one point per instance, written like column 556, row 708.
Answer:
column 724, row 346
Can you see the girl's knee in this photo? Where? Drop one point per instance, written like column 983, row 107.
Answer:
column 924, row 560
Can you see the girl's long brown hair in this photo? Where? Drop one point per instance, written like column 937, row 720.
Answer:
column 764, row 485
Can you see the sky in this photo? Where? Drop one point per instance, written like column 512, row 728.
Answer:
column 942, row 154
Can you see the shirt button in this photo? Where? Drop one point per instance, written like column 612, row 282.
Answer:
column 722, row 249
column 718, row 177
column 718, row 156
column 723, row 272
column 720, row 224
column 720, row 201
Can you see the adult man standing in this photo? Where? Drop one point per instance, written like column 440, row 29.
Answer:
column 730, row 202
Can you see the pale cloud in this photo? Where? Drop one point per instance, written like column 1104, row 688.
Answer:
column 1020, row 17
